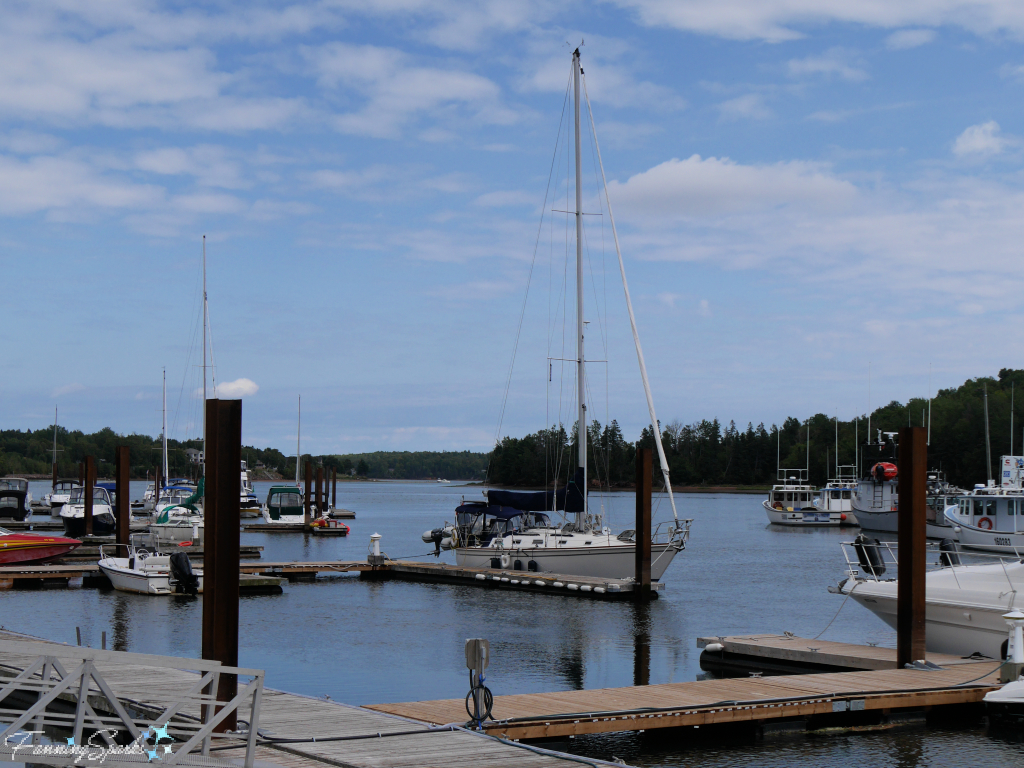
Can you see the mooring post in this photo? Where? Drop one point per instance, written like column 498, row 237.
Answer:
column 642, row 585
column 910, row 595
column 642, row 644
column 334, row 488
column 321, row 491
column 307, row 500
column 220, row 561
column 122, row 511
column 90, row 481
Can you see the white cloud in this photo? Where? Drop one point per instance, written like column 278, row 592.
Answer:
column 909, row 38
column 982, row 139
column 749, row 106
column 833, row 63
column 208, row 164
column 505, row 198
column 682, row 189
column 232, row 390
column 1013, row 71
column 704, row 308
column 779, row 20
column 67, row 389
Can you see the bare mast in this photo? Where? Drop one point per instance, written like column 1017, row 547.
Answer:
column 581, row 429
column 205, row 319
column 164, row 436
column 298, row 444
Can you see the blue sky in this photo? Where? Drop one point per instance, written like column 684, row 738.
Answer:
column 801, row 188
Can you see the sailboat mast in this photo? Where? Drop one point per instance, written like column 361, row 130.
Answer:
column 204, row 354
column 164, row 432
column 298, row 444
column 580, row 365
column 53, row 487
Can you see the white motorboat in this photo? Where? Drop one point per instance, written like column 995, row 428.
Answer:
column 148, row 571
column 514, row 529
column 17, row 484
column 792, row 502
column 989, row 518
column 14, row 496
column 1005, row 706
column 249, row 503
column 59, row 495
column 964, row 602
column 72, row 514
column 284, row 506
column 178, row 516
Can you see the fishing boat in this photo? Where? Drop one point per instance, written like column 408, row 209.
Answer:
column 72, row 514
column 23, row 548
column 989, row 518
column 14, row 499
column 964, row 602
column 558, row 530
column 59, row 495
column 284, row 506
column 148, row 571
column 794, row 501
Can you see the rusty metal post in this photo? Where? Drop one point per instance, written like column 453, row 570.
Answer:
column 220, row 549
column 321, row 491
column 910, row 595
column 90, row 482
column 334, row 488
column 122, row 511
column 307, row 501
column 642, row 585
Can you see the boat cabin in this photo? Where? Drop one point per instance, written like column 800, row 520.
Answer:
column 13, row 505
column 99, row 496
column 992, row 509
column 791, row 497
column 13, row 484
column 479, row 523
column 65, row 486
column 285, row 500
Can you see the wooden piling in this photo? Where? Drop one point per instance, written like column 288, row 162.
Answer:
column 307, row 501
column 321, row 491
column 334, row 488
column 642, row 592
column 221, row 548
column 90, row 481
column 910, row 596
column 122, row 510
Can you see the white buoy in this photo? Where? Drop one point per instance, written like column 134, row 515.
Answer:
column 574, row 587
column 586, row 588
column 538, row 583
column 375, row 542
column 558, row 584
column 480, row 577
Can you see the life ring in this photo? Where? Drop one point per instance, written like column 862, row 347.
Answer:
column 985, row 524
column 506, row 560
column 777, row 505
column 184, row 543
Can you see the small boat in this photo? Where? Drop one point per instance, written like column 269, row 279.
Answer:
column 23, row 548
column 72, row 514
column 178, row 517
column 148, row 571
column 249, row 504
column 442, row 480
column 964, row 603
column 13, row 500
column 284, row 506
column 1005, row 707
column 793, row 502
column 59, row 495
column 989, row 518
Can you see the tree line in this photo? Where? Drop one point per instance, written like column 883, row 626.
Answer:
column 702, row 453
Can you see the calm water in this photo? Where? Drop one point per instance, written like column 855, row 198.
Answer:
column 362, row 642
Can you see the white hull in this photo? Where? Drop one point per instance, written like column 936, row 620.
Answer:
column 296, row 520
column 803, row 517
column 955, row 627
column 1003, row 542
column 889, row 522
column 176, row 533
column 124, row 579
column 604, row 562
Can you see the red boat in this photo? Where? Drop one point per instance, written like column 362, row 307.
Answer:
column 23, row 548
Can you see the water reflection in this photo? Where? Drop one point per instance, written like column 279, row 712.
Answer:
column 641, row 643
column 120, row 622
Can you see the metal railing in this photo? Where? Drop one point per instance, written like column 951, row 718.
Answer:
column 167, row 710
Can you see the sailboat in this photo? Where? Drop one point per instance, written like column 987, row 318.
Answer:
column 516, row 530
column 61, row 489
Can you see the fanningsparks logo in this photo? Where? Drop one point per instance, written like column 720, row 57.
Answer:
column 95, row 750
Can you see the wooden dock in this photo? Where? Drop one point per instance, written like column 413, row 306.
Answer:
column 821, row 700
column 780, row 654
column 91, row 576
column 305, row 732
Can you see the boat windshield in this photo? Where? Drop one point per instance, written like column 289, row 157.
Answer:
column 98, row 494
column 285, row 499
column 10, row 501
column 13, row 484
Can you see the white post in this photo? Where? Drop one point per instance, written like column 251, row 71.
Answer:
column 1015, row 646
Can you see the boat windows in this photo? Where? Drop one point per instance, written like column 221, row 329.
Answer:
column 13, row 484
column 285, row 500
column 846, row 495
column 10, row 501
column 987, row 507
column 836, row 494
column 98, row 495
column 1011, row 506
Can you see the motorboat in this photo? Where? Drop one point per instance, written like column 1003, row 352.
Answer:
column 989, row 518
column 964, row 601
column 59, row 495
column 1005, row 706
column 17, row 548
column 149, row 571
column 72, row 514
column 13, row 504
column 178, row 516
column 837, row 495
column 557, row 530
column 284, row 506
column 793, row 502
column 249, row 503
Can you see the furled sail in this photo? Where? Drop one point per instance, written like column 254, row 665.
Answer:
column 568, row 498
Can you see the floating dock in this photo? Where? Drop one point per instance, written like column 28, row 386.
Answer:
column 815, row 701
column 92, row 576
column 781, row 654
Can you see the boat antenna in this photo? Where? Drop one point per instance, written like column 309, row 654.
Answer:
column 204, row 355
column 632, row 317
column 988, row 444
column 581, row 430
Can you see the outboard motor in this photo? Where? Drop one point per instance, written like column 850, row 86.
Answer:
column 868, row 556
column 949, row 555
column 185, row 582
column 434, row 536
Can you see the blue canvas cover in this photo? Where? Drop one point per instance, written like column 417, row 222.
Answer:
column 569, row 498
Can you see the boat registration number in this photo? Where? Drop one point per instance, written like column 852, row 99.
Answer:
column 816, row 517
column 1002, row 541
